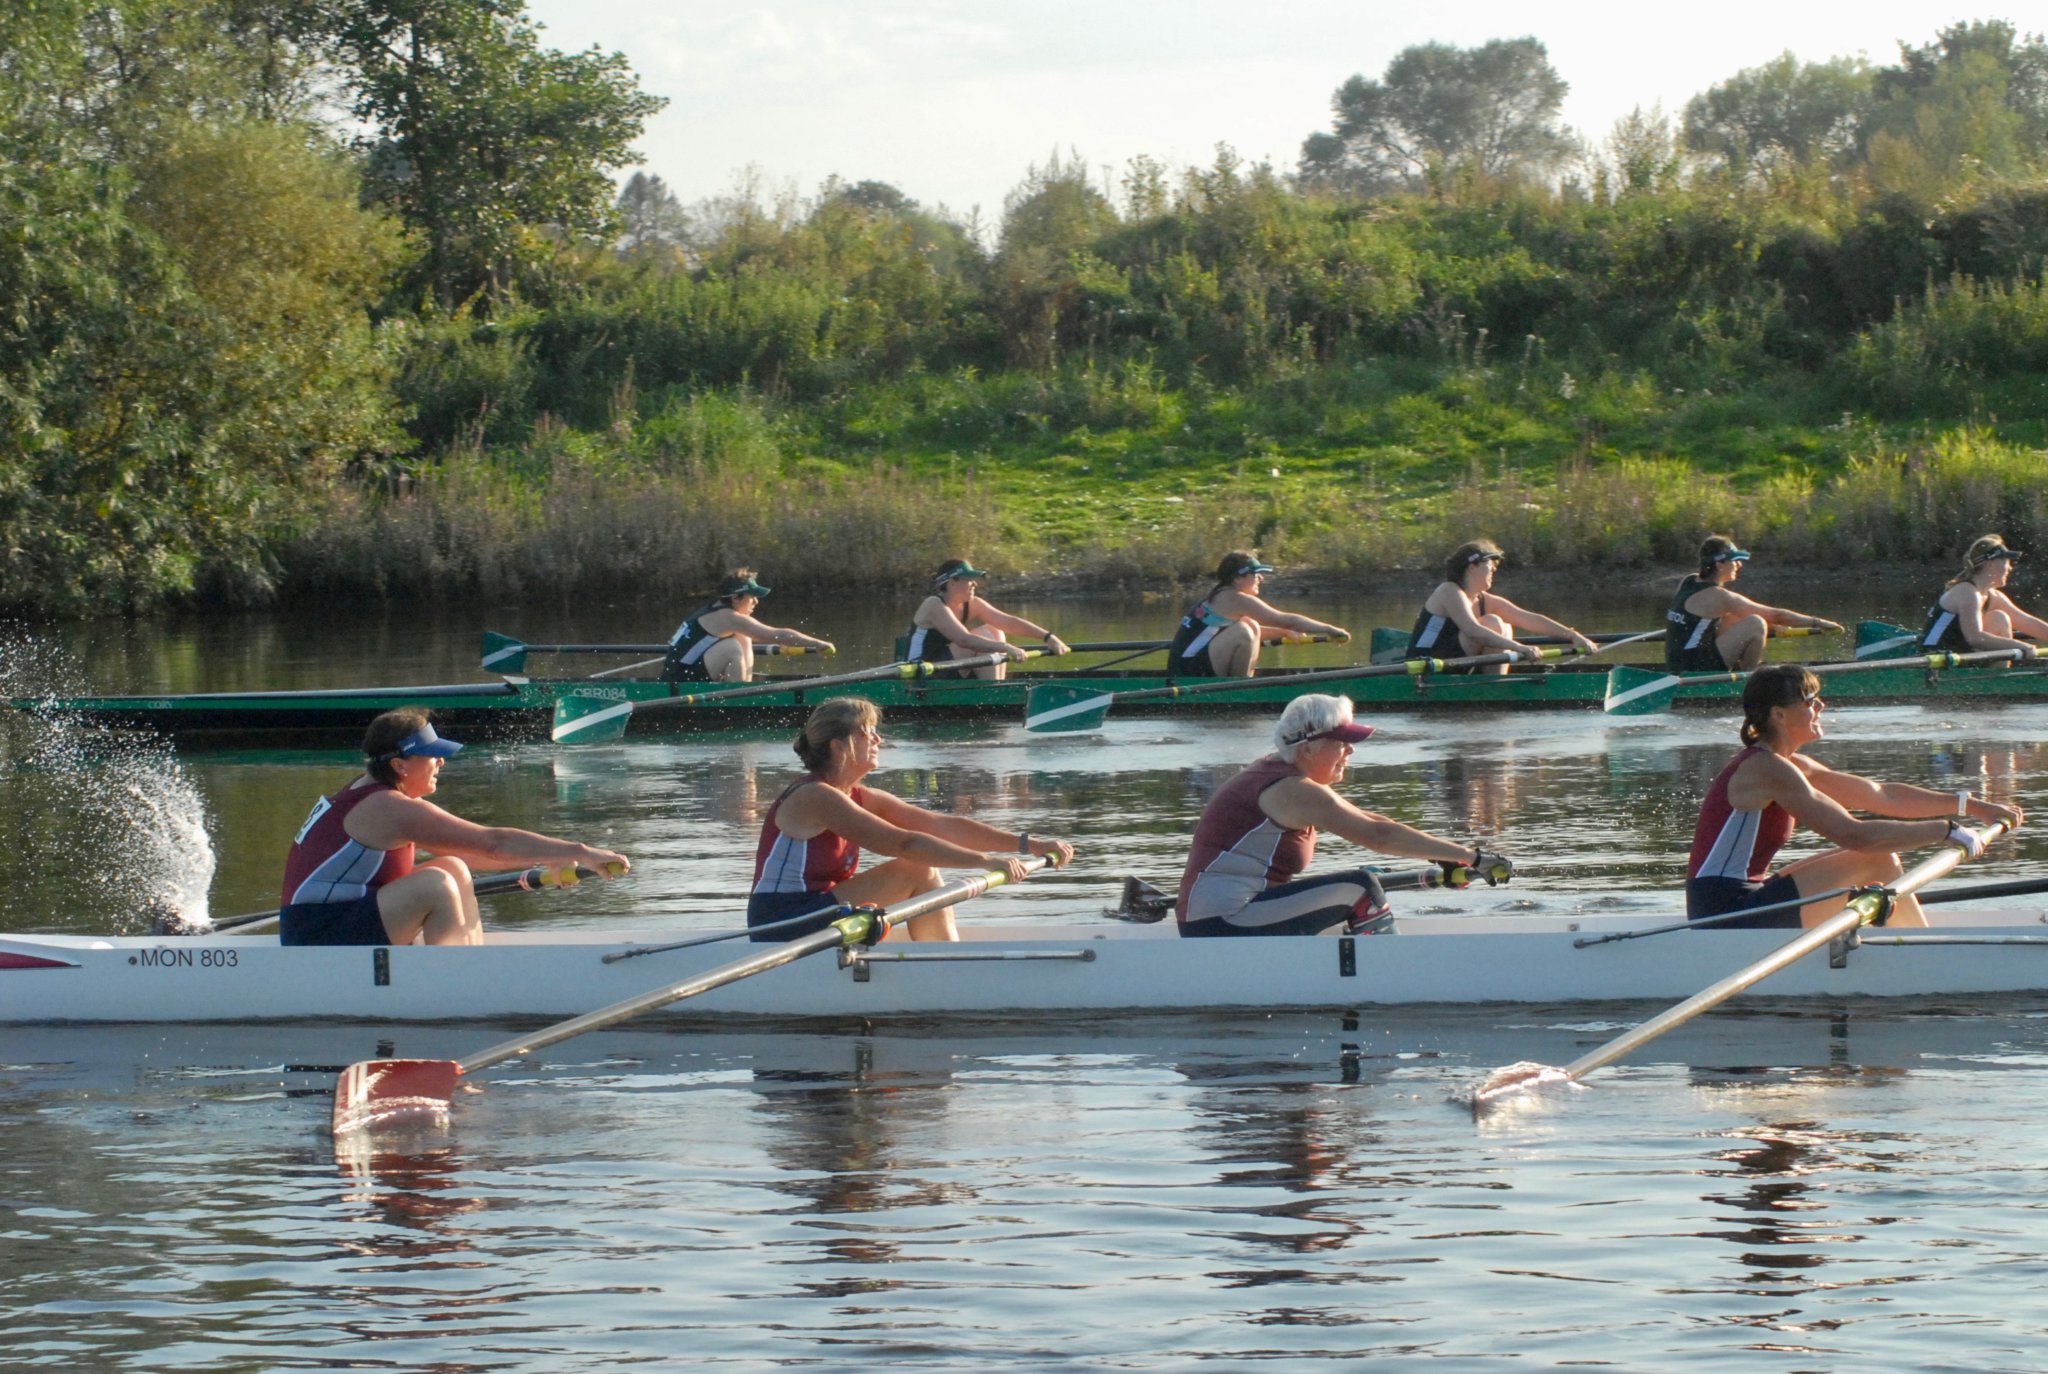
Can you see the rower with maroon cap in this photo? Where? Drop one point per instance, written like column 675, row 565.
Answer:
column 1258, row 834
column 350, row 878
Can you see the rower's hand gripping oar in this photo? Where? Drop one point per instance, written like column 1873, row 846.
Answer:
column 1863, row 908
column 591, row 715
column 378, row 1091
column 1062, row 706
column 1639, row 692
column 167, row 922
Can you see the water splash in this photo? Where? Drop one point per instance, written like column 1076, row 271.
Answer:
column 107, row 822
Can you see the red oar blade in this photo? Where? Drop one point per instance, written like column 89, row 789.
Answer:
column 378, row 1092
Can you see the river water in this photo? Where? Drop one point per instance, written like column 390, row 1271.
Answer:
column 1805, row 1187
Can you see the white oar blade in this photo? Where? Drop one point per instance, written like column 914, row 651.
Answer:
column 581, row 719
column 1057, row 706
column 1896, row 646
column 382, row 1092
column 1635, row 692
column 503, row 654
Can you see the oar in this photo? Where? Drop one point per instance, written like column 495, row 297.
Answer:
column 375, row 1091
column 590, row 717
column 1882, row 639
column 1862, row 908
column 1118, row 646
column 1977, row 892
column 1389, row 644
column 1062, row 706
column 169, row 922
column 504, row 654
column 1639, row 691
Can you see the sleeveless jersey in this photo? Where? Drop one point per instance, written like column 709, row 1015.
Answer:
column 1189, row 650
column 1436, row 636
column 686, row 648
column 1736, row 844
column 931, row 646
column 1238, row 852
column 326, row 864
column 1689, row 639
column 1943, row 630
column 819, row 864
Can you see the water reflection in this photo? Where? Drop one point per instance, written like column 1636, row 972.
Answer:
column 836, row 1127
column 411, row 1182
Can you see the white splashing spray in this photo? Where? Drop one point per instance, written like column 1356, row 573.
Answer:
column 113, row 812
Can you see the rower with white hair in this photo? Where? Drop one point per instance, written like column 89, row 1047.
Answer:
column 1258, row 834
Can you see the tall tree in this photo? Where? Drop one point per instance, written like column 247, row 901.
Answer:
column 650, row 215
column 1973, row 101
column 1783, row 111
column 485, row 142
column 1492, row 109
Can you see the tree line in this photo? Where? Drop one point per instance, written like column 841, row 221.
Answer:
column 269, row 265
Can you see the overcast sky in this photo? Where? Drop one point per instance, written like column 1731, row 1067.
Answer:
column 951, row 102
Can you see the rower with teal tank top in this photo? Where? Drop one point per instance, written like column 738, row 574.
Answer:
column 1710, row 627
column 957, row 622
column 716, row 644
column 1974, row 612
column 1220, row 635
column 1464, row 616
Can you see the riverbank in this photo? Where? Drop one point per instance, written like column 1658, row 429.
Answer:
column 565, row 517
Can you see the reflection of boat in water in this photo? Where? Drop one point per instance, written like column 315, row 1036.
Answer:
column 253, row 1067
column 1425, row 960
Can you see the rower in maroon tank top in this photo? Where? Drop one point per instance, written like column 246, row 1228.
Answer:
column 1771, row 787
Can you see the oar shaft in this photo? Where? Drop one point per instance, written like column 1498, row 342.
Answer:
column 1859, row 910
column 906, row 669
column 840, row 933
column 1117, row 646
column 518, row 880
column 2018, row 887
column 1417, row 667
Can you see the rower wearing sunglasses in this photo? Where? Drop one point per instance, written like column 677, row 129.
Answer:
column 1712, row 628
column 1973, row 612
column 351, row 879
column 1771, row 788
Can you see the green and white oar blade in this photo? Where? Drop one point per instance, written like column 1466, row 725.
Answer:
column 503, row 654
column 1058, row 706
column 589, row 718
column 1882, row 639
column 1638, row 691
column 1388, row 645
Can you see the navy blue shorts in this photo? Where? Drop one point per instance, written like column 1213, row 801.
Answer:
column 765, row 908
column 333, row 923
column 1713, row 896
